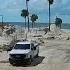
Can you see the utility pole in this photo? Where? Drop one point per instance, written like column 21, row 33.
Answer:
column 2, row 22
column 50, row 3
column 49, row 17
column 28, row 12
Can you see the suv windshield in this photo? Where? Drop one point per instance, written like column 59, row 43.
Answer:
column 22, row 46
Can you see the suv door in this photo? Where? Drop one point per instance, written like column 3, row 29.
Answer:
column 35, row 50
column 32, row 50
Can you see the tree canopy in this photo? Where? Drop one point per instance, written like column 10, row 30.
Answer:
column 58, row 22
column 24, row 13
column 34, row 17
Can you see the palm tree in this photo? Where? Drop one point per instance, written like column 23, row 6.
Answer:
column 34, row 17
column 28, row 11
column 58, row 22
column 50, row 2
column 24, row 13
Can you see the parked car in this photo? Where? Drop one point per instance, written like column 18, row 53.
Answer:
column 23, row 52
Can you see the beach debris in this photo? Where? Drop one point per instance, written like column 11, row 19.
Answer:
column 46, row 30
column 68, row 38
column 51, row 38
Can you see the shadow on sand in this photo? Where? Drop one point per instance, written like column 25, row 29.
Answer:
column 35, row 62
column 67, row 58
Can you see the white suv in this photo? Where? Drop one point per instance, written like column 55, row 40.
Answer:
column 23, row 52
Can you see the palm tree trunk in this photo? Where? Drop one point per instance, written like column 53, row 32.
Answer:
column 60, row 26
column 28, row 15
column 32, row 24
column 25, row 22
column 49, row 16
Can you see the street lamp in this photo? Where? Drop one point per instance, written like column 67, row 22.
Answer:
column 28, row 12
column 50, row 3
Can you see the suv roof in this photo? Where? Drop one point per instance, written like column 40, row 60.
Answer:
column 24, row 42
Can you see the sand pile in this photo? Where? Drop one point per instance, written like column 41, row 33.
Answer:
column 56, row 33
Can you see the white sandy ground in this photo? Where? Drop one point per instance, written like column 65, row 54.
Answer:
column 21, row 33
column 55, row 55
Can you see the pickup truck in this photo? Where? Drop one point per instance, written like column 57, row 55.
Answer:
column 23, row 52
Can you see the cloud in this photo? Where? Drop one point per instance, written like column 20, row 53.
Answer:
column 12, row 4
column 40, row 7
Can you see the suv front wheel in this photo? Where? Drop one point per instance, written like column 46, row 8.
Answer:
column 37, row 55
column 12, row 62
column 30, row 60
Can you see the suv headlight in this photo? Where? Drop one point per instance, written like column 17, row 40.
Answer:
column 27, row 56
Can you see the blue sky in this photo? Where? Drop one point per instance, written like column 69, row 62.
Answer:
column 11, row 10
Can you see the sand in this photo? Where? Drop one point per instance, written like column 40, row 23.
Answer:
column 54, row 52
column 53, row 56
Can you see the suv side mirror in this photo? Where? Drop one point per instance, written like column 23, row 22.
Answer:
column 31, row 48
column 34, row 48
